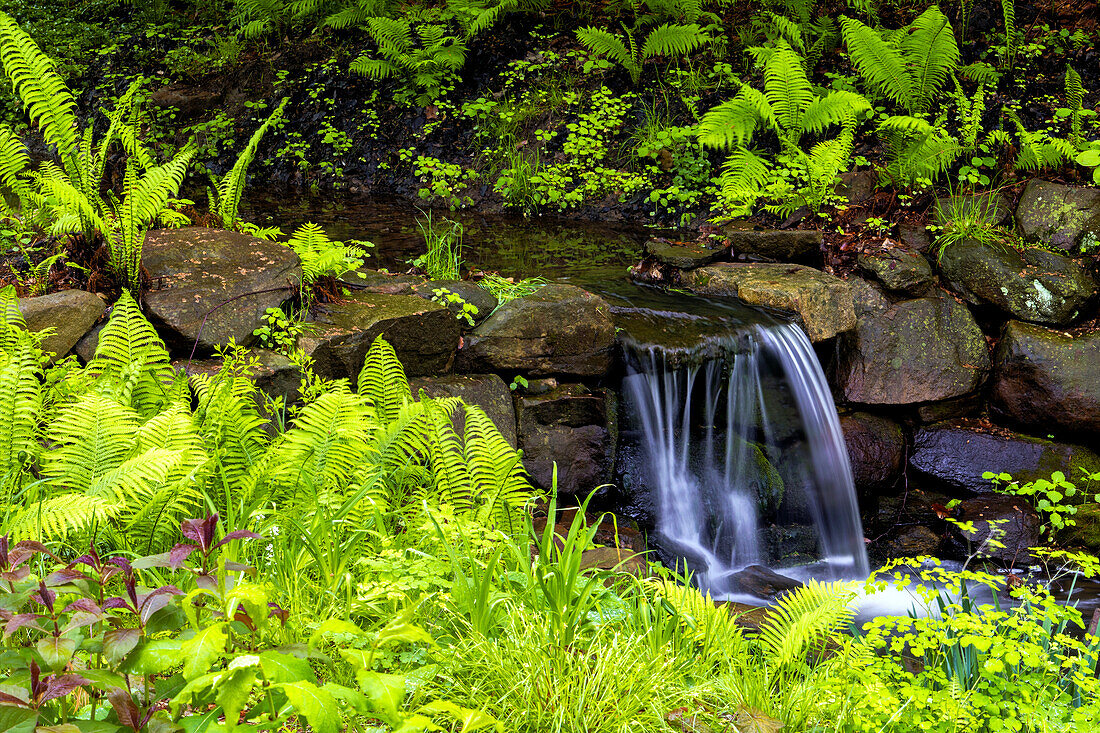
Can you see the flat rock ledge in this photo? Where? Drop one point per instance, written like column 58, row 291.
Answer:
column 823, row 302
column 212, row 285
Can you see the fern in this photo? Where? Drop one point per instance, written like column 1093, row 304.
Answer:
column 321, row 256
column 1075, row 97
column 130, row 359
column 1008, row 12
column 804, row 618
column 48, row 102
column 231, row 187
column 668, row 39
column 917, row 149
column 908, row 67
column 382, row 381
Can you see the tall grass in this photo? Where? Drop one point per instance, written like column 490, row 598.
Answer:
column 442, row 259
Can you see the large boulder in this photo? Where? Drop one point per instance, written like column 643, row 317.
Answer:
column 1032, row 285
column 955, row 454
column 1005, row 528
column 876, row 449
column 1066, row 217
column 557, row 330
column 455, row 295
column 1047, row 380
column 211, row 286
column 822, row 302
column 70, row 313
column 423, row 333
column 920, row 350
column 899, row 269
column 573, row 427
column 487, row 391
column 782, row 245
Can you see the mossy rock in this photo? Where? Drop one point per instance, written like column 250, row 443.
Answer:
column 1066, row 217
column 1086, row 533
column 1032, row 285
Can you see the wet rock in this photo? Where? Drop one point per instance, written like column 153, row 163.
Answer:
column 913, row 541
column 1032, row 285
column 88, row 343
column 857, row 187
column 989, row 207
column 272, row 373
column 610, row 558
column 469, row 292
column 213, row 286
column 956, row 454
column 898, row 269
column 822, row 301
column 487, row 391
column 759, row 581
column 381, row 283
column 683, row 255
column 915, row 236
column 1066, row 217
column 876, row 448
column 1047, row 379
column 423, row 333
column 571, row 426
column 920, row 350
column 952, row 409
column 790, row 544
column 558, row 330
column 782, row 245
column 1086, row 532
column 1009, row 520
column 70, row 313
column 189, row 101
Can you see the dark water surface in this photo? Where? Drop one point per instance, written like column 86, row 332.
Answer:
column 556, row 249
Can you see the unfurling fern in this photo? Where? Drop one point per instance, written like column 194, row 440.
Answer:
column 226, row 193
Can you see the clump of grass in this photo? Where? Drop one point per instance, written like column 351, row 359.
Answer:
column 443, row 239
column 969, row 220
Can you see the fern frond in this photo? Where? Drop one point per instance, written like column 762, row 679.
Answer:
column 231, row 187
column 786, row 88
column 932, row 56
column 733, row 123
column 878, row 62
column 835, row 108
column 604, row 43
column 382, row 381
column 44, row 95
column 673, row 40
column 805, row 617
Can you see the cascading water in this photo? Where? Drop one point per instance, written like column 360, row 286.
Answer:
column 742, row 448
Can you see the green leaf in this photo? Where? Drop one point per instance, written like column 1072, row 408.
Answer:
column 17, row 720
column 152, row 656
column 56, row 651
column 1089, row 158
column 386, row 692
column 471, row 719
column 404, row 633
column 334, row 626
column 117, row 643
column 101, row 679
column 316, row 705
column 203, row 649
column 281, row 668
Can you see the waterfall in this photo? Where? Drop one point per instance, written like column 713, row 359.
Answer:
column 743, row 445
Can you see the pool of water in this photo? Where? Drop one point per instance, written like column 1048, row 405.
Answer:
column 512, row 246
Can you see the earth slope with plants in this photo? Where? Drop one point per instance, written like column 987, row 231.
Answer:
column 252, row 484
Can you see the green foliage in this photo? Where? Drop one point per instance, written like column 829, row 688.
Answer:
column 324, row 257
column 790, row 107
column 443, row 258
column 67, row 198
column 1050, row 498
column 669, row 39
column 225, row 195
column 423, row 56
